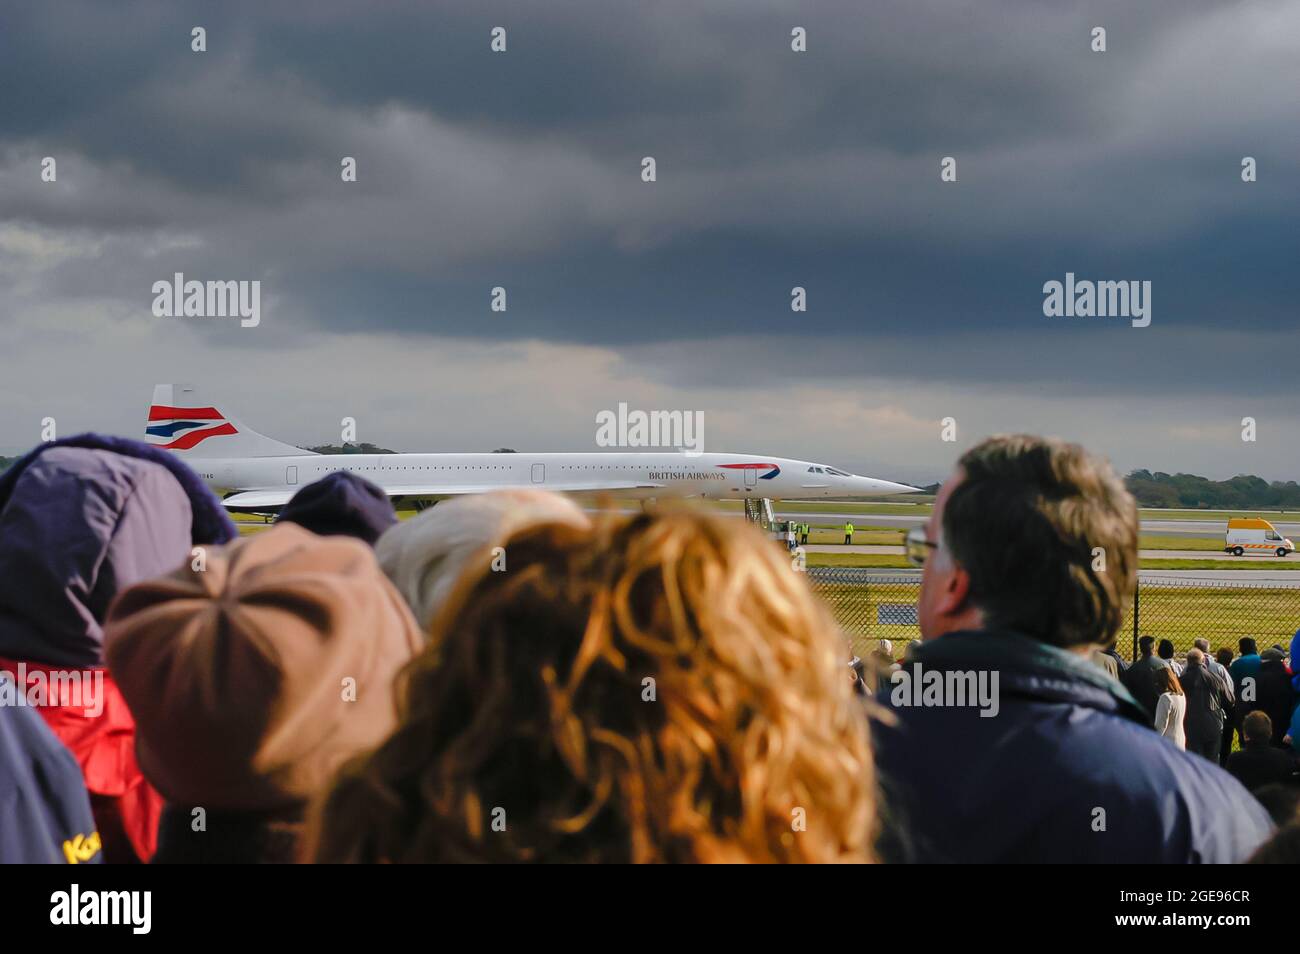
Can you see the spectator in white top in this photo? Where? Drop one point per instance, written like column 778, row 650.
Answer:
column 1171, row 707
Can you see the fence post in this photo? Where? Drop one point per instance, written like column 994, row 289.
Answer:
column 1137, row 592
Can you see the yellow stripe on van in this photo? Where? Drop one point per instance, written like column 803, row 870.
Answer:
column 1249, row 523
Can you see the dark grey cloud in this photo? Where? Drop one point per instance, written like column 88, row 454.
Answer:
column 776, row 169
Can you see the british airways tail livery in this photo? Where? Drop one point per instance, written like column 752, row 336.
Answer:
column 259, row 474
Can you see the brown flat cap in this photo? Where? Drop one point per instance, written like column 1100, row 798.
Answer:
column 254, row 677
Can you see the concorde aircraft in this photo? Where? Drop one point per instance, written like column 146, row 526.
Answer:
column 258, row 474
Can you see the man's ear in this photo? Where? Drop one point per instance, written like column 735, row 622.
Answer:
column 956, row 593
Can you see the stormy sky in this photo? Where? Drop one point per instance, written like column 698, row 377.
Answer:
column 522, row 169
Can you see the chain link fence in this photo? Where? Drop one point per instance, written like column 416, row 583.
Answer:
column 870, row 606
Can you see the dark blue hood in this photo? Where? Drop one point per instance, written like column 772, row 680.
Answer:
column 210, row 521
column 344, row 504
column 80, row 520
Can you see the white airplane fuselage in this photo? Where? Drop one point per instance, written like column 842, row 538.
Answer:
column 666, row 474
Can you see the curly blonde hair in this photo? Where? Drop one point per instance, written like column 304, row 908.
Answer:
column 660, row 688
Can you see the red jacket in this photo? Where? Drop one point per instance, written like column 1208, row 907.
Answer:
column 104, row 747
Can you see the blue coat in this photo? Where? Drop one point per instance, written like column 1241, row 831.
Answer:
column 1295, row 661
column 44, row 809
column 1068, row 770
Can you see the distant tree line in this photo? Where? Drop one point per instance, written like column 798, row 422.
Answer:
column 1190, row 492
column 362, row 448
column 1243, row 492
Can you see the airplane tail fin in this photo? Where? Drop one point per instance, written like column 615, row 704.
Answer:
column 181, row 422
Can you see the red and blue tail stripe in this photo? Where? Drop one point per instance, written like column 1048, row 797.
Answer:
column 182, row 428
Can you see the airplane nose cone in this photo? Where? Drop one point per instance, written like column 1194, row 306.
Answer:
column 889, row 487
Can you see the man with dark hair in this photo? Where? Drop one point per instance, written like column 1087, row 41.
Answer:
column 1165, row 650
column 1140, row 678
column 1259, row 762
column 1223, row 659
column 1275, row 693
column 1245, row 681
column 1030, row 559
column 1246, row 664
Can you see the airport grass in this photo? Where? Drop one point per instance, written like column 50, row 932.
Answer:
column 1179, row 612
column 881, row 560
column 1219, row 516
column 830, row 533
column 1157, row 563
column 862, row 537
column 887, row 560
column 920, row 505
column 1160, row 541
column 1221, row 614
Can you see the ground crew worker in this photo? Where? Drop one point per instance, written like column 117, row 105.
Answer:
column 804, row 533
column 848, row 532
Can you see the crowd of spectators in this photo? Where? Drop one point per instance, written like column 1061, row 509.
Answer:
column 507, row 677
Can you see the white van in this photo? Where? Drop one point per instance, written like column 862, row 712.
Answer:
column 1252, row 535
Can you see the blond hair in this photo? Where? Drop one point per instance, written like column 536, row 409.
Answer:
column 654, row 688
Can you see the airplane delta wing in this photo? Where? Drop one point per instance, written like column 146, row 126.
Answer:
column 260, row 501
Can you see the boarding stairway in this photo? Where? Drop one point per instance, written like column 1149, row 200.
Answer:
column 759, row 510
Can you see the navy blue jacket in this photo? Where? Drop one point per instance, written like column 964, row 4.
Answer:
column 45, row 813
column 1068, row 770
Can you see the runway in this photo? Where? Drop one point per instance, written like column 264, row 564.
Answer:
column 1254, row 578
column 1247, row 563
column 1203, row 529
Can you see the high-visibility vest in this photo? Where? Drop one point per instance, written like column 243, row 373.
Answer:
column 848, row 528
